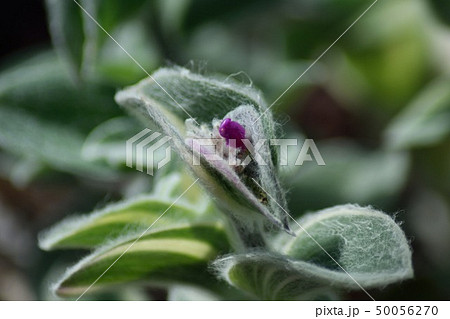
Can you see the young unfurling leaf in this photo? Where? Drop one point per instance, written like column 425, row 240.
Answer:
column 367, row 244
column 188, row 106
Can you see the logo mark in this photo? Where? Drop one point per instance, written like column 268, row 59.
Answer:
column 142, row 151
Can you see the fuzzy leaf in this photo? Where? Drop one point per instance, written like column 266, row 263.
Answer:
column 368, row 244
column 207, row 99
column 165, row 256
column 204, row 98
column 116, row 220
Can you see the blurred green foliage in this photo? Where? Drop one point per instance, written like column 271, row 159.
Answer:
column 379, row 101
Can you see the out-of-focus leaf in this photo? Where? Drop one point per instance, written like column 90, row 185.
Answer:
column 434, row 163
column 165, row 256
column 368, row 244
column 41, row 86
column 351, row 174
column 107, row 142
column 41, row 141
column 45, row 116
column 429, row 219
column 66, row 28
column 104, row 58
column 442, row 9
column 425, row 122
column 115, row 66
column 111, row 13
column 265, row 56
column 203, row 11
column 113, row 221
column 391, row 57
column 206, row 99
column 310, row 21
column 190, row 293
column 77, row 38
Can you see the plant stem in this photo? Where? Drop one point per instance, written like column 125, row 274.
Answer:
column 250, row 236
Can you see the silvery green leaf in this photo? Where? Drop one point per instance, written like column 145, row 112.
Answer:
column 112, row 221
column 368, row 244
column 204, row 98
column 365, row 242
column 175, row 94
column 178, row 254
column 131, row 215
column 425, row 121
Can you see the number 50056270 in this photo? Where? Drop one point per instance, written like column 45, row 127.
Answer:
column 407, row 310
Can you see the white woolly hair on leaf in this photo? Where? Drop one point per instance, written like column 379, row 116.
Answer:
column 206, row 98
column 71, row 224
column 374, row 251
column 110, row 244
column 223, row 87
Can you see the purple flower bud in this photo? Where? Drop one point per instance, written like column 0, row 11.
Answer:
column 231, row 130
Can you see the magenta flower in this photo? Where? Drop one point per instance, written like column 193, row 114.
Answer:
column 231, row 130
